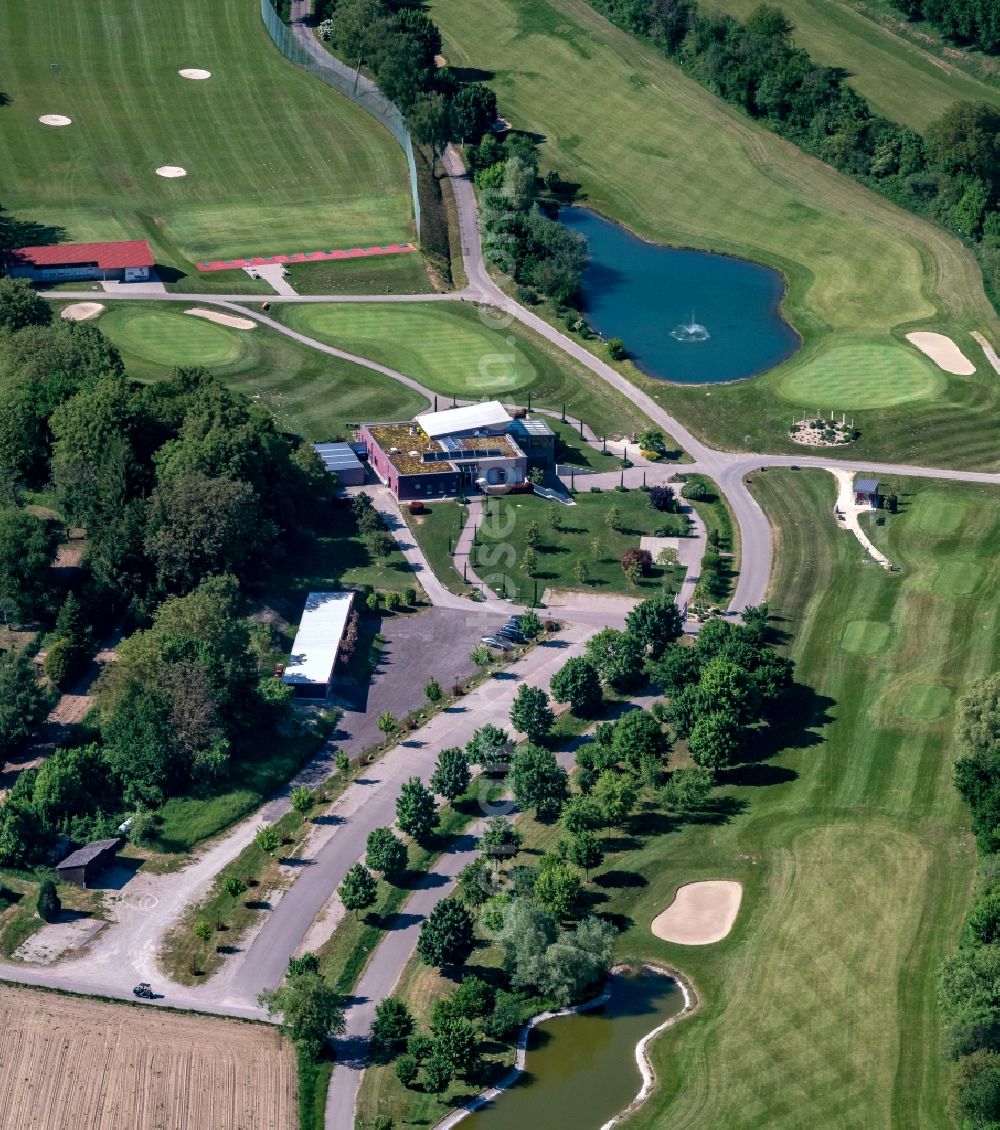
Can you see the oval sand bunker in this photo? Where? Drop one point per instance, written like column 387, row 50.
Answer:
column 943, row 352
column 195, row 73
column 221, row 319
column 171, row 171
column 55, row 120
column 81, row 311
column 700, row 914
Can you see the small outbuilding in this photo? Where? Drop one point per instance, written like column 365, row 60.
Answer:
column 866, row 493
column 341, row 460
column 85, row 864
column 314, row 655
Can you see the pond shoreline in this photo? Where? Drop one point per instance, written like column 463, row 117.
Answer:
column 691, row 1004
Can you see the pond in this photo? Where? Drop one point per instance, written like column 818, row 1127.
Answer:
column 581, row 1069
column 686, row 316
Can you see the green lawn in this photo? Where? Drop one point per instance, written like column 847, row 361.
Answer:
column 454, row 350
column 899, row 78
column 432, row 531
column 660, row 154
column 310, row 393
column 381, row 274
column 499, row 556
column 275, row 160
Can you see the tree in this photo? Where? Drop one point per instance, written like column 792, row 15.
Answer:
column 983, row 919
column 714, row 740
column 407, row 1070
column 311, row 1011
column 302, row 800
column 533, row 535
column 613, row 518
column 490, row 747
column 500, row 839
column 27, row 545
column 387, row 723
column 359, row 889
column 596, row 550
column 639, row 740
column 446, row 935
column 581, row 572
column 392, row 1024
column 198, row 526
column 430, row 121
column 636, row 563
column 538, row 781
column 481, row 656
column 505, row 1017
column 235, row 886
column 203, row 930
column 21, row 305
column 578, row 683
column 652, row 439
column 529, row 562
column 385, row 852
column 557, row 887
column 580, row 814
column 585, row 851
column 416, row 812
column 688, row 788
column 618, row 657
column 530, row 712
column 473, row 998
column 975, row 1091
column 615, row 794
column 473, row 111
column 48, row 905
column 616, row 349
column 655, row 624
column 531, row 624
column 437, row 1075
column 555, row 519
column 343, row 762
column 451, row 776
column 267, row 838
column 965, row 141
column 432, row 691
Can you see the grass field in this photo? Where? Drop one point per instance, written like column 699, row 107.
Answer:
column 310, row 393
column 432, row 531
column 453, row 350
column 381, row 274
column 899, row 78
column 276, row 161
column 73, row 1061
column 502, row 539
column 650, row 152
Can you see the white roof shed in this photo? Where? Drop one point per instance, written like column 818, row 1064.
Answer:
column 314, row 653
column 490, row 414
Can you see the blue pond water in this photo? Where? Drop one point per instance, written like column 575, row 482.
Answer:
column 641, row 291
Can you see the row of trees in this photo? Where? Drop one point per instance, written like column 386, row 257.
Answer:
column 975, row 23
column 517, row 209
column 399, row 44
column 951, row 174
column 969, row 983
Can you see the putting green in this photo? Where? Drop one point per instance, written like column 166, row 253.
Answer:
column 937, row 513
column 171, row 339
column 447, row 348
column 865, row 637
column 862, row 374
column 925, row 702
column 958, row 578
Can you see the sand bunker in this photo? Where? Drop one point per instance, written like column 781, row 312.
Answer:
column 700, row 914
column 171, row 171
column 81, row 311
column 943, row 352
column 195, row 73
column 223, row 319
column 55, row 120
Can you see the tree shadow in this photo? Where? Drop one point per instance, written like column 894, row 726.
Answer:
column 16, row 233
column 619, row 880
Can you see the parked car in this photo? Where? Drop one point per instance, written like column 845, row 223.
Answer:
column 499, row 642
column 512, row 634
column 145, row 990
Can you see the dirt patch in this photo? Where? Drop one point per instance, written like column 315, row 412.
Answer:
column 700, row 914
column 81, row 311
column 72, row 1061
column 55, row 939
column 230, row 320
column 943, row 352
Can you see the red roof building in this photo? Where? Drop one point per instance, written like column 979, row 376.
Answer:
column 130, row 260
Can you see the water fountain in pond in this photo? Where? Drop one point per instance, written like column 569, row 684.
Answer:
column 690, row 331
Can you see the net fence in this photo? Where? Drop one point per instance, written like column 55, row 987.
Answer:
column 344, row 79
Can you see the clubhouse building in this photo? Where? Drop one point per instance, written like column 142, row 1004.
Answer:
column 127, row 260
column 478, row 448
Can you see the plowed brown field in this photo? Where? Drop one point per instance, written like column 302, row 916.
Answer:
column 68, row 1062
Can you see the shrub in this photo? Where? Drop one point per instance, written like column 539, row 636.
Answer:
column 637, row 559
column 392, row 601
column 407, row 1070
column 694, row 491
column 662, row 498
column 616, row 349
column 410, row 597
column 417, row 507
column 62, row 662
column 433, row 691
column 48, row 905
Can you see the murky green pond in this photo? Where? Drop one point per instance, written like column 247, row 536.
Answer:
column 581, row 1069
